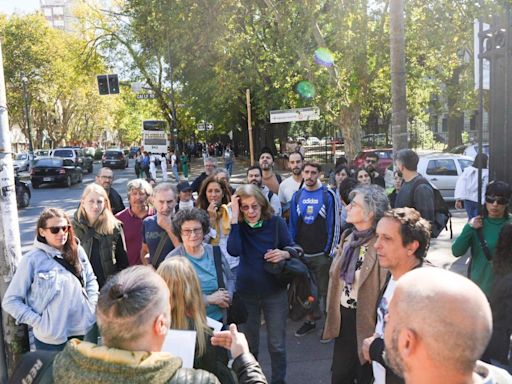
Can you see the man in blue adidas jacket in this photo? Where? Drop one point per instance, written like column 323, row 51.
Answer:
column 315, row 226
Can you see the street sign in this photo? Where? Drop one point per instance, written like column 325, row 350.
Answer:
column 145, row 96
column 201, row 126
column 298, row 114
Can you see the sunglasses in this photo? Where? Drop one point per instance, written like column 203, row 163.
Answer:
column 55, row 230
column 495, row 199
column 371, row 161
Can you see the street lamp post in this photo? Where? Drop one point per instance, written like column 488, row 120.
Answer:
column 24, row 81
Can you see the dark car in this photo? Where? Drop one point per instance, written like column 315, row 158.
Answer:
column 55, row 170
column 385, row 158
column 114, row 158
column 78, row 156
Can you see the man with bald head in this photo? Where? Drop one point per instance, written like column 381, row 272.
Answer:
column 438, row 326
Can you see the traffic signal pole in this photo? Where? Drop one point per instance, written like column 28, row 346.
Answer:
column 14, row 338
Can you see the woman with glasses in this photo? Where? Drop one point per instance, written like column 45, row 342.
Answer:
column 259, row 237
column 54, row 289
column 355, row 281
column 190, row 226
column 480, row 235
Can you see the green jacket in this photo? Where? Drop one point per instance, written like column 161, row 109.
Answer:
column 481, row 269
column 83, row 362
column 111, row 247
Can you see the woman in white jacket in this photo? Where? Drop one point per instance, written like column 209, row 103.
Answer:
column 466, row 188
column 54, row 289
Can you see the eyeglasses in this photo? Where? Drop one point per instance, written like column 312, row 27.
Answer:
column 371, row 161
column 245, row 208
column 190, row 232
column 55, row 230
column 496, row 199
column 107, row 177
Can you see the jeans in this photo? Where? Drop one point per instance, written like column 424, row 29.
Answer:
column 175, row 173
column 275, row 311
column 229, row 167
column 40, row 346
column 471, row 208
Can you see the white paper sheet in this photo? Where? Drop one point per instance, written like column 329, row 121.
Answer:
column 182, row 344
column 212, row 323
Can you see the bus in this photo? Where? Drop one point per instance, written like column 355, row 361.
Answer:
column 154, row 136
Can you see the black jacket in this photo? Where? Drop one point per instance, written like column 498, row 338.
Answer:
column 116, row 202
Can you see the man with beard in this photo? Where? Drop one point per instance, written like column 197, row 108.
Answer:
column 254, row 176
column 438, row 326
column 371, row 162
column 105, row 177
column 315, row 226
column 210, row 163
column 291, row 184
column 403, row 238
column 270, row 179
column 158, row 238
column 139, row 191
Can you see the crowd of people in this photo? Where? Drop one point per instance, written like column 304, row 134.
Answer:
column 180, row 255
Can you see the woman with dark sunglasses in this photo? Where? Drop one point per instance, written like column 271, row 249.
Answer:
column 54, row 289
column 481, row 233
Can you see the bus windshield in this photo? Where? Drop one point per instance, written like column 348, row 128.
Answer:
column 154, row 125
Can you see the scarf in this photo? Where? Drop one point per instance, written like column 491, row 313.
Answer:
column 186, row 204
column 351, row 254
column 223, row 223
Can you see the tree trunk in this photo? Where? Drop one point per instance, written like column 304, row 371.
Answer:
column 398, row 76
column 349, row 124
column 455, row 117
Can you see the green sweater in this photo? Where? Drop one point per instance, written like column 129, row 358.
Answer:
column 481, row 268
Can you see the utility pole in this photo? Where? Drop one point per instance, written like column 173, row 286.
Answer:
column 14, row 338
column 24, row 81
column 249, row 124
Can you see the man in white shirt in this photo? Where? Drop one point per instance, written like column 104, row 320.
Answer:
column 403, row 238
column 291, row 184
column 254, row 176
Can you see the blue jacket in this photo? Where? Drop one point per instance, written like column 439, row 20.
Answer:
column 46, row 296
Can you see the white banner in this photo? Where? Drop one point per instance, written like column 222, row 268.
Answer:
column 299, row 114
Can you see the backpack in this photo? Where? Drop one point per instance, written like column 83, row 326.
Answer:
column 279, row 178
column 157, row 161
column 35, row 367
column 442, row 215
column 303, row 297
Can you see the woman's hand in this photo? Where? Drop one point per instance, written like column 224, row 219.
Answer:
column 476, row 222
column 276, row 255
column 235, row 209
column 458, row 204
column 220, row 298
column 212, row 211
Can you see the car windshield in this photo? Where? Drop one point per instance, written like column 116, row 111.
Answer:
column 63, row 153
column 48, row 163
column 21, row 156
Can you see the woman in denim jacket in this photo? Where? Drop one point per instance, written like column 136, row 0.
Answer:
column 54, row 289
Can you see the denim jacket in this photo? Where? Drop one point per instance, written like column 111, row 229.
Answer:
column 49, row 298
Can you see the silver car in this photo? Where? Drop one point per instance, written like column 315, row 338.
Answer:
column 22, row 161
column 442, row 171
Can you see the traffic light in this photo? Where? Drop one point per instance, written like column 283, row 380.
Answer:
column 103, row 84
column 108, row 84
column 113, row 84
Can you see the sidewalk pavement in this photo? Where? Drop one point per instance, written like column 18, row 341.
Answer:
column 309, row 361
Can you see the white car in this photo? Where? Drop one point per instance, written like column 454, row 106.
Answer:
column 442, row 171
column 312, row 140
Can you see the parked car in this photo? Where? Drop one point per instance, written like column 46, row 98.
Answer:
column 312, row 140
column 41, row 153
column 22, row 161
column 472, row 150
column 385, row 158
column 23, row 193
column 89, row 151
column 55, row 170
column 77, row 155
column 114, row 158
column 442, row 171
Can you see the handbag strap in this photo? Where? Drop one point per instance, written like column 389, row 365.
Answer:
column 70, row 269
column 159, row 249
column 217, row 260
column 276, row 234
column 483, row 244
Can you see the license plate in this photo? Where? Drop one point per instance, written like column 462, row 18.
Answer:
column 112, row 162
column 47, row 178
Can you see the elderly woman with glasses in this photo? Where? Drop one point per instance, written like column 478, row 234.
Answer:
column 259, row 237
column 54, row 289
column 354, row 286
column 481, row 233
column 190, row 226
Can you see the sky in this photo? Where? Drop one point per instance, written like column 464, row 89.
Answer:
column 19, row 6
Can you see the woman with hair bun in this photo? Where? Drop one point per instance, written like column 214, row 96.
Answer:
column 54, row 289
